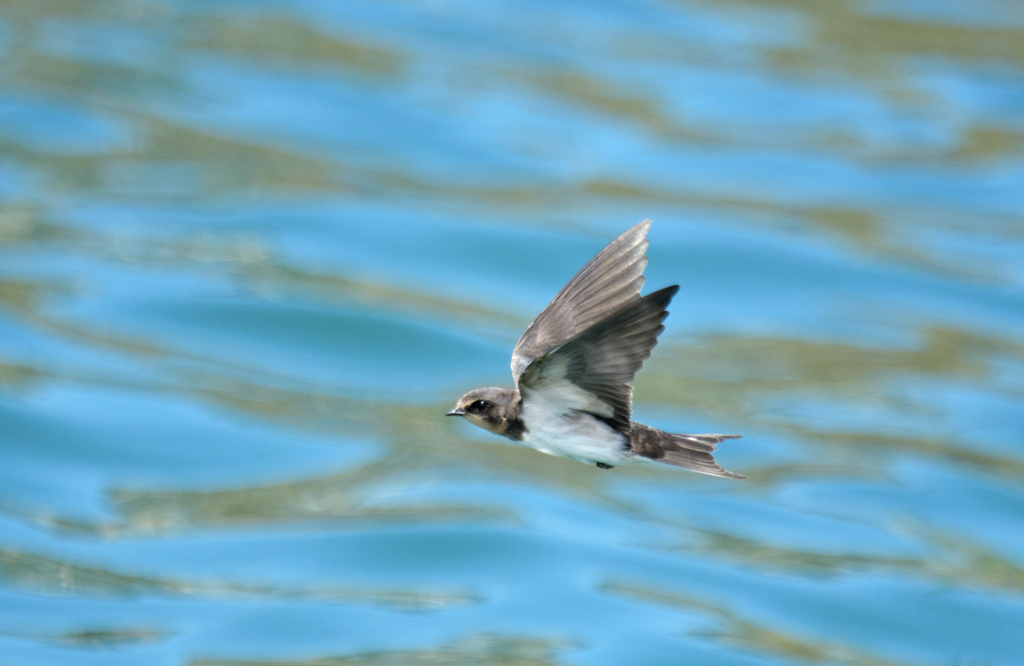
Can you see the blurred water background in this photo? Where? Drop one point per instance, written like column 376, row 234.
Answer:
column 251, row 252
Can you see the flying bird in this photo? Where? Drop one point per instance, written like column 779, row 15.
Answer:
column 573, row 366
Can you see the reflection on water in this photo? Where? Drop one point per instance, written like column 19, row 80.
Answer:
column 49, row 576
column 250, row 255
column 486, row 650
column 753, row 638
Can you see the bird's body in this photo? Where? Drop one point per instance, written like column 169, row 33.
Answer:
column 573, row 366
column 573, row 434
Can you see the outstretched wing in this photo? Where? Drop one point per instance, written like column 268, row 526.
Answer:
column 610, row 280
column 591, row 372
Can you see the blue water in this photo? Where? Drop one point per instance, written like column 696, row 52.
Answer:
column 250, row 253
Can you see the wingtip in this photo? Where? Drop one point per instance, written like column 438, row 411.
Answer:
column 665, row 294
column 639, row 229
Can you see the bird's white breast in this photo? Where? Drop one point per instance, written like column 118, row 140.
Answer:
column 555, row 429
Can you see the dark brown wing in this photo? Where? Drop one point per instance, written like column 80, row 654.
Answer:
column 591, row 372
column 610, row 280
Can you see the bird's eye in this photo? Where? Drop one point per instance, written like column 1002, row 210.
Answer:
column 478, row 406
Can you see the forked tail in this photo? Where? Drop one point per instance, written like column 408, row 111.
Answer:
column 691, row 452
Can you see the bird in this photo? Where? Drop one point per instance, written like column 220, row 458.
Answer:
column 573, row 367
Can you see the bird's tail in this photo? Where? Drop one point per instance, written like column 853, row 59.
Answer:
column 694, row 453
column 707, row 443
column 691, row 452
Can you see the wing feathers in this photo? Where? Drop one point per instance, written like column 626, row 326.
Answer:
column 604, row 358
column 610, row 280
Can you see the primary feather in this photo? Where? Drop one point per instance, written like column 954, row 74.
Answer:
column 610, row 280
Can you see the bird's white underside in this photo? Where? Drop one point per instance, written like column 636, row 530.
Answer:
column 556, row 426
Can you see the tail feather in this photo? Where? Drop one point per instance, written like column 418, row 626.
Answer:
column 697, row 461
column 701, row 442
column 692, row 452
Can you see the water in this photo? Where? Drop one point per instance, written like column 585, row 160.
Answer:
column 250, row 253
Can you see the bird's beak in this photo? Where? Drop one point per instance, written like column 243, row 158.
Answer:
column 456, row 412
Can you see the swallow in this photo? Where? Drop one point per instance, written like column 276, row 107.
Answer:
column 573, row 367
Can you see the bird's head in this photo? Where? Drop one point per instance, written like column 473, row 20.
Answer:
column 489, row 407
